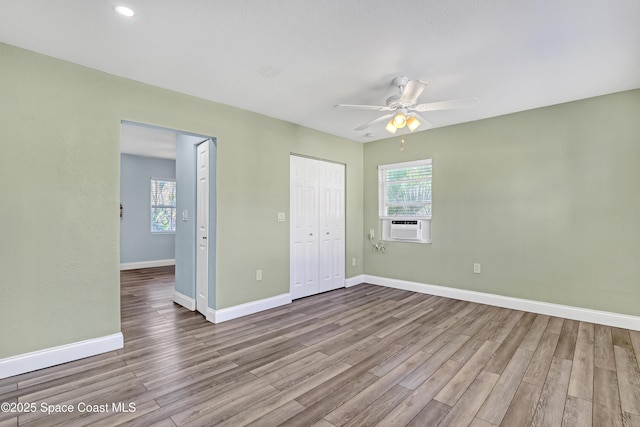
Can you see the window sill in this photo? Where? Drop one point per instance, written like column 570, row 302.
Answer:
column 406, row 218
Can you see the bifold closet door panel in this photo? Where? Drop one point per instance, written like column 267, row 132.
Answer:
column 304, row 228
column 331, row 220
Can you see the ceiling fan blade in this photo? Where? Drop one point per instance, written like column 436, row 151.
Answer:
column 423, row 122
column 374, row 121
column 447, row 105
column 365, row 107
column 412, row 91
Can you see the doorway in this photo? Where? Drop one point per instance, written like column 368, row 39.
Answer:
column 183, row 148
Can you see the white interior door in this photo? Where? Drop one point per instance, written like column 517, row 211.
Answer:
column 331, row 258
column 304, row 228
column 202, row 226
column 317, row 226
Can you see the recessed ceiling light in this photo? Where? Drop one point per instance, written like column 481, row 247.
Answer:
column 124, row 11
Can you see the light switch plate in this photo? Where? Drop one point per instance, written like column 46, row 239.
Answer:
column 281, row 217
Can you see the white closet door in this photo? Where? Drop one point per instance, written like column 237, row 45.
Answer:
column 304, row 228
column 317, row 226
column 331, row 219
column 202, row 233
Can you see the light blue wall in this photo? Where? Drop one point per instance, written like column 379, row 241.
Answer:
column 137, row 243
column 186, row 230
column 186, row 201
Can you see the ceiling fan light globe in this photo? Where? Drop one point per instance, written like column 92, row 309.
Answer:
column 413, row 123
column 390, row 127
column 399, row 121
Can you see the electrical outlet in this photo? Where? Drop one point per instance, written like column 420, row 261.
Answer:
column 281, row 216
column 476, row 268
column 353, row 261
column 258, row 274
column 372, row 233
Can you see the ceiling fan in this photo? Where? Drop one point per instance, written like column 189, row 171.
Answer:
column 403, row 108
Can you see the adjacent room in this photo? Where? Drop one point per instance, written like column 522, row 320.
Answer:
column 147, row 197
column 320, row 213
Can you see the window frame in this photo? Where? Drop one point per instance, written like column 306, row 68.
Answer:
column 174, row 207
column 383, row 203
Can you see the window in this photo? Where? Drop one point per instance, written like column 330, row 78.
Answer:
column 404, row 190
column 163, row 205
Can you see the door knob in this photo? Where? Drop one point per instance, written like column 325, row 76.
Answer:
column 310, row 234
column 327, row 233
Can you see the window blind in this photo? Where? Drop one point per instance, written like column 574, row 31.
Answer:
column 404, row 190
column 163, row 205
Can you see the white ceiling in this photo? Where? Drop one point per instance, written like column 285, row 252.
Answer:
column 295, row 59
column 147, row 141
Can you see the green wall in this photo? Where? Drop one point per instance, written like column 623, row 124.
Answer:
column 59, row 250
column 546, row 200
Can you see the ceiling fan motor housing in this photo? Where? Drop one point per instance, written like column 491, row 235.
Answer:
column 392, row 101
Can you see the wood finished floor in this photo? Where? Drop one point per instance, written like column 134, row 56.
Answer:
column 362, row 356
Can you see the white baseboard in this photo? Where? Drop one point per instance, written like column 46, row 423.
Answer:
column 224, row 314
column 210, row 315
column 355, row 280
column 540, row 307
column 185, row 301
column 147, row 264
column 16, row 365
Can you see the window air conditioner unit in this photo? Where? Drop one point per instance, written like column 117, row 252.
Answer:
column 417, row 230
